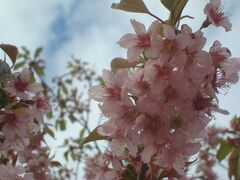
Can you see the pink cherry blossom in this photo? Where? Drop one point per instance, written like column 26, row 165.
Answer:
column 171, row 48
column 136, row 85
column 15, row 124
column 196, row 41
column 111, row 90
column 98, row 168
column 219, row 53
column 40, row 107
column 174, row 154
column 226, row 68
column 216, row 16
column 141, row 42
column 157, row 112
column 22, row 85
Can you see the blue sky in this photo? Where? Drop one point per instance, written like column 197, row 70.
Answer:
column 89, row 29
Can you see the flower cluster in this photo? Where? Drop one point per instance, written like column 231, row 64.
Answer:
column 21, row 123
column 158, row 109
column 23, row 117
column 98, row 167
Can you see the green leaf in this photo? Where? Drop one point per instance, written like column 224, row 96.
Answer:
column 93, row 136
column 62, row 125
column 82, row 133
column 25, row 50
column 136, row 6
column 66, row 155
column 38, row 69
column 64, row 88
column 19, row 65
column 169, row 4
column 224, row 150
column 175, row 7
column 49, row 131
column 11, row 51
column 68, row 81
column 38, row 52
column 120, row 63
column 177, row 11
column 56, row 164
column 72, row 118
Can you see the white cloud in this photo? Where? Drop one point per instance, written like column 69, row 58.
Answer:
column 25, row 22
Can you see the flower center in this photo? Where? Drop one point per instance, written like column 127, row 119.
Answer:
column 217, row 15
column 41, row 103
column 143, row 41
column 19, row 85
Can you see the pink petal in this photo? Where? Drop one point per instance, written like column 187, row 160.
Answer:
column 127, row 41
column 133, row 54
column 34, row 88
column 138, row 27
column 226, row 24
column 117, row 146
column 107, row 76
column 168, row 32
column 25, row 75
column 97, row 92
column 191, row 149
column 203, row 58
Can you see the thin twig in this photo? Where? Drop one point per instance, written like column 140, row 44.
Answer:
column 151, row 14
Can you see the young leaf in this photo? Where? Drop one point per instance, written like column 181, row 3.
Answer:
column 177, row 11
column 175, row 7
column 93, row 136
column 81, row 134
column 49, row 131
column 169, row 4
column 38, row 52
column 56, row 164
column 62, row 125
column 19, row 65
column 120, row 63
column 136, row 6
column 11, row 51
column 64, row 88
column 223, row 151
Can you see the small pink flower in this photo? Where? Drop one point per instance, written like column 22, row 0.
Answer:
column 40, row 107
column 140, row 42
column 15, row 124
column 231, row 68
column 98, row 168
column 171, row 48
column 21, row 86
column 175, row 153
column 196, row 41
column 136, row 85
column 112, row 88
column 120, row 138
column 219, row 54
column 216, row 16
